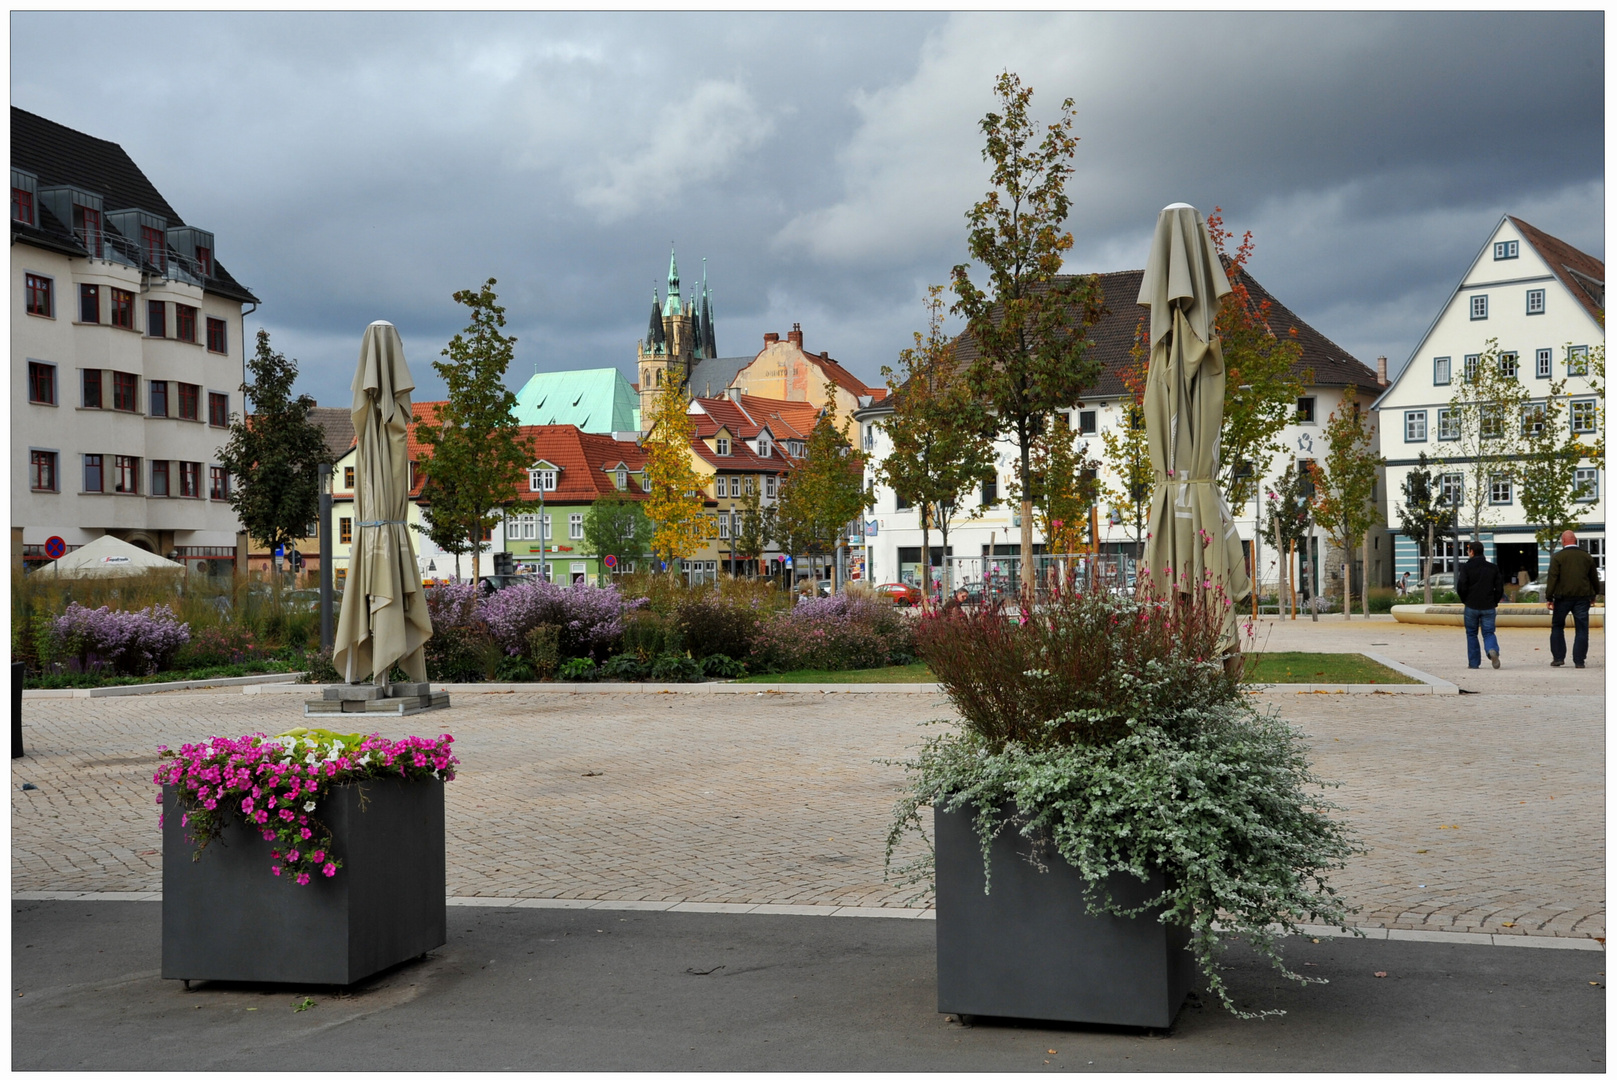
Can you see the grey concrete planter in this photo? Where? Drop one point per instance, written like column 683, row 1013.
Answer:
column 226, row 917
column 1029, row 949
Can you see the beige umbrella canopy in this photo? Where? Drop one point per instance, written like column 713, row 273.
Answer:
column 384, row 609
column 1192, row 538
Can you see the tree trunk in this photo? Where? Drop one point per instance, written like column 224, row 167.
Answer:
column 1027, row 571
column 1347, row 581
column 946, row 577
column 1367, row 575
column 1431, row 542
column 1291, row 581
column 926, row 556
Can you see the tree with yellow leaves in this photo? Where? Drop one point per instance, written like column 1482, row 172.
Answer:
column 675, row 506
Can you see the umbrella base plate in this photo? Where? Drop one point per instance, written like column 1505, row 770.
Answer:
column 389, row 706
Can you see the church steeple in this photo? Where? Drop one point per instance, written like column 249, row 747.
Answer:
column 672, row 305
column 656, row 340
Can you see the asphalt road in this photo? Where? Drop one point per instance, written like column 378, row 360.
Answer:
column 550, row 989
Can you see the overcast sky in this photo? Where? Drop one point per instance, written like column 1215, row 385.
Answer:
column 365, row 166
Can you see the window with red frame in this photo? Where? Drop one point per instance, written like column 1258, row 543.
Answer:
column 190, row 398
column 126, row 475
column 219, row 410
column 22, row 206
column 216, row 336
column 156, row 318
column 38, row 296
column 42, row 470
column 87, row 229
column 93, row 473
column 90, row 386
column 218, row 482
column 123, row 309
column 89, row 303
column 41, row 383
column 185, row 322
column 190, row 479
column 156, row 246
column 157, row 394
column 159, row 480
column 124, row 386
column 205, row 262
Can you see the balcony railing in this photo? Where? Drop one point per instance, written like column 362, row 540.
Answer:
column 115, row 247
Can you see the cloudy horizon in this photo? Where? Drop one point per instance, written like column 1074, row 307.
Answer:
column 365, row 166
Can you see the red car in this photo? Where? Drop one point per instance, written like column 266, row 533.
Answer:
column 902, row 595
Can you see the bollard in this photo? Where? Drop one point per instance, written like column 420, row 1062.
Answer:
column 16, row 709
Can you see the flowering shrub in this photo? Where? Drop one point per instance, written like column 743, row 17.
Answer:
column 129, row 642
column 276, row 786
column 214, row 646
column 452, row 605
column 833, row 633
column 590, row 617
column 713, row 626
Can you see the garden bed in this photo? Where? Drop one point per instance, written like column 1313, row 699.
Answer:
column 1313, row 667
column 905, row 673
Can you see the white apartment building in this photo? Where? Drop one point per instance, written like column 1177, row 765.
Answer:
column 893, row 536
column 1543, row 301
column 126, row 357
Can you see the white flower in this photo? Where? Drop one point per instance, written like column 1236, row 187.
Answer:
column 308, row 759
column 308, row 807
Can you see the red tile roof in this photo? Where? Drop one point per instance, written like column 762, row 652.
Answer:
column 583, row 459
column 1584, row 275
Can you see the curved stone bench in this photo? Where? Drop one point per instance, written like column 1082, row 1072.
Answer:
column 1508, row 615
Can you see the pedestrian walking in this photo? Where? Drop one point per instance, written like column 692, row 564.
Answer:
column 1403, row 584
column 1480, row 585
column 1571, row 587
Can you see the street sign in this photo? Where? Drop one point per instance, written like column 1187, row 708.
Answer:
column 611, row 562
column 55, row 547
column 280, row 549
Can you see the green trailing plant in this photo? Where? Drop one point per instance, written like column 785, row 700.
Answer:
column 625, row 667
column 578, row 669
column 671, row 667
column 723, row 667
column 1108, row 728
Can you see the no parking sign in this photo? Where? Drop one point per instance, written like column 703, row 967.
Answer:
column 55, row 547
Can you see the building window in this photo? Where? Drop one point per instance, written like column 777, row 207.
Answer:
column 1479, row 307
column 1471, row 362
column 1492, row 421
column 621, row 478
column 1586, row 482
column 1440, row 371
column 769, row 486
column 348, row 478
column 41, row 383
column 219, row 413
column 90, row 388
column 190, row 479
column 185, row 322
column 749, row 485
column 1451, row 488
column 345, row 530
column 723, row 445
column 126, row 475
column 205, row 262
column 1508, row 365
column 1596, row 547
column 92, row 473
column 763, row 446
column 218, row 482
column 157, row 394
column 724, row 526
column 156, row 318
column 87, row 229
column 1448, row 424
column 900, row 502
column 1505, row 249
column 155, row 247
column 1086, row 422
column 541, row 479
column 575, row 526
column 190, row 398
column 1415, row 425
column 1499, row 490
column 1532, row 418
column 89, row 303
column 123, row 309
column 42, row 470
column 544, row 526
column 991, row 485
column 22, row 206
column 1541, row 363
column 1577, row 360
column 39, row 296
column 1305, row 410
column 216, row 335
column 159, row 479
column 124, row 386
column 1582, row 413
column 1535, row 301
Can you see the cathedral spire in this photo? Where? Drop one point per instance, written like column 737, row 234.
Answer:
column 672, row 305
column 655, row 339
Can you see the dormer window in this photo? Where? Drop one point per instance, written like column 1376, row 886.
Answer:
column 154, row 246
column 763, row 446
column 87, row 228
column 22, row 206
column 623, row 478
column 205, row 261
column 542, row 478
column 722, row 445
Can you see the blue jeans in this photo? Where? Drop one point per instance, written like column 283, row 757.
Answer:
column 1579, row 606
column 1475, row 619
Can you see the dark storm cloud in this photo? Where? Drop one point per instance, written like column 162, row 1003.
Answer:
column 358, row 167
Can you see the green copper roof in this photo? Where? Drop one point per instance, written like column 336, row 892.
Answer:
column 599, row 400
column 672, row 306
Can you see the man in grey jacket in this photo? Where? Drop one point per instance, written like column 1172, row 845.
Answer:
column 1571, row 586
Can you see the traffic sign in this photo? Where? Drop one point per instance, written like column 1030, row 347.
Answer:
column 55, row 547
column 611, row 561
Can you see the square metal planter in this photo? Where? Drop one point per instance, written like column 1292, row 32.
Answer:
column 1030, row 950
column 225, row 916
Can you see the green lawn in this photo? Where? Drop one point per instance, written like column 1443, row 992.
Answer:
column 907, row 673
column 1310, row 667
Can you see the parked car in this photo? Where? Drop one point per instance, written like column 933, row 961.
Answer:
column 902, row 595
column 1439, row 581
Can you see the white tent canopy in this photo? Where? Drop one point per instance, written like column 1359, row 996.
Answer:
column 108, row 556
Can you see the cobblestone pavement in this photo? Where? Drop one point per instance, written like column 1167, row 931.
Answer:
column 1480, row 811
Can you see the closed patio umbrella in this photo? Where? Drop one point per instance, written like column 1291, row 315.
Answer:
column 1192, row 538
column 384, row 608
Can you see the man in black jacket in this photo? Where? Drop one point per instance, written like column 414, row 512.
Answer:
column 1570, row 588
column 1480, row 585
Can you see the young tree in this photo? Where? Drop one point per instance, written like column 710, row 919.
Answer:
column 275, row 453
column 827, row 490
column 1063, row 487
column 1424, row 516
column 939, row 452
column 1345, row 488
column 1264, row 381
column 616, row 525
column 1290, row 517
column 474, row 458
column 752, row 534
column 1547, row 468
column 1029, row 326
column 676, row 507
column 1488, row 397
column 1127, row 452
